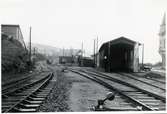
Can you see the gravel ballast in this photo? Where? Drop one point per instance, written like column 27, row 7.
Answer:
column 72, row 93
column 56, row 100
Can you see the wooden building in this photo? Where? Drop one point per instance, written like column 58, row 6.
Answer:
column 121, row 54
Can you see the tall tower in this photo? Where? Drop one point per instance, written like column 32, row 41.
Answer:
column 162, row 38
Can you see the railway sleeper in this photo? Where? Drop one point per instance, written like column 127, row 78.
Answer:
column 134, row 94
column 150, row 100
column 23, row 110
column 24, row 91
column 144, row 97
column 35, row 95
column 21, row 94
column 137, row 92
column 121, row 109
column 36, row 98
column 39, row 96
column 14, row 97
column 32, row 102
column 5, row 107
column 153, row 104
column 161, row 106
column 156, row 109
column 127, row 106
column 45, row 89
column 23, row 87
column 8, row 103
column 41, row 93
column 131, row 93
column 28, row 105
column 125, row 103
column 10, row 100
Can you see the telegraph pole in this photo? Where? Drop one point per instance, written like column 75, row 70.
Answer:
column 142, row 55
column 63, row 51
column 30, row 50
column 96, row 49
column 109, row 57
column 94, row 52
column 34, row 51
column 82, row 49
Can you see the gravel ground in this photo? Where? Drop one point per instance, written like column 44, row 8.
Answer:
column 84, row 93
column 56, row 101
column 72, row 93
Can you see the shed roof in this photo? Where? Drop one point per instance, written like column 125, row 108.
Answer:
column 9, row 25
column 118, row 41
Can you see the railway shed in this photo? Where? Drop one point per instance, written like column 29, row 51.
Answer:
column 121, row 54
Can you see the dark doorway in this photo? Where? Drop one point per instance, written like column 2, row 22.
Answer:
column 121, row 57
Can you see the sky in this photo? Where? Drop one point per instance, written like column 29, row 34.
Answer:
column 68, row 23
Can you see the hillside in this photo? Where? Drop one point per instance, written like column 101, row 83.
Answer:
column 13, row 55
column 53, row 51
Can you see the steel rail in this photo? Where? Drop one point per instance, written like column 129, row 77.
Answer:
column 142, row 81
column 137, row 103
column 22, row 87
column 11, row 85
column 154, row 79
column 128, row 84
column 15, row 81
column 35, row 90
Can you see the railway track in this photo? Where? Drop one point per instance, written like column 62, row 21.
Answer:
column 20, row 83
column 154, row 83
column 158, row 84
column 139, row 83
column 8, row 84
column 136, row 98
column 27, row 97
column 154, row 78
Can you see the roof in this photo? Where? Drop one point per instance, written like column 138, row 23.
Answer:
column 9, row 25
column 119, row 40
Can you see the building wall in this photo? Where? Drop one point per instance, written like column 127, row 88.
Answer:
column 136, row 58
column 12, row 48
column 13, row 31
column 162, row 45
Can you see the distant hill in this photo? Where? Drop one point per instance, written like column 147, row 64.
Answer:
column 52, row 51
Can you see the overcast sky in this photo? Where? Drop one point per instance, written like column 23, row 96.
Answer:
column 66, row 23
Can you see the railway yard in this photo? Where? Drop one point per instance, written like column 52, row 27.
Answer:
column 112, row 79
column 83, row 56
column 70, row 88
